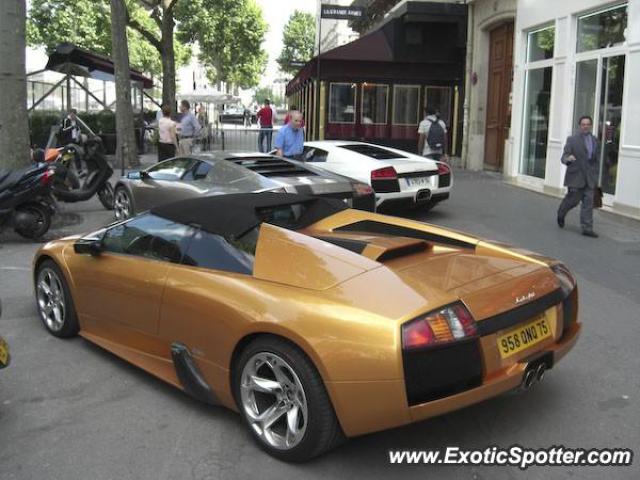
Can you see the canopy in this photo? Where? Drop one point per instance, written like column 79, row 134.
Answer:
column 208, row 96
column 72, row 60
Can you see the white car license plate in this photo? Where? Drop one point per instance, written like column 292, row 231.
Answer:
column 419, row 182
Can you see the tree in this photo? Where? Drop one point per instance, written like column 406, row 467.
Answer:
column 298, row 38
column 261, row 93
column 162, row 13
column 126, row 149
column 14, row 128
column 230, row 35
column 86, row 24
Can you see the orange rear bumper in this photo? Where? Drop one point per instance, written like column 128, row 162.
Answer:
column 365, row 407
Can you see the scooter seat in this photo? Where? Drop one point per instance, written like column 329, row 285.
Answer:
column 9, row 178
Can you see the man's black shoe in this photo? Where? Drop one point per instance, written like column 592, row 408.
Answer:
column 589, row 233
column 560, row 221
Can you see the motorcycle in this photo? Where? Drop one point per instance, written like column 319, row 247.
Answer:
column 82, row 172
column 26, row 202
column 5, row 358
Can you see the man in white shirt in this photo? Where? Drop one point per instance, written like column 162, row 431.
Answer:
column 432, row 136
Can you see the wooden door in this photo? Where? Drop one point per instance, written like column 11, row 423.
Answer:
column 498, row 108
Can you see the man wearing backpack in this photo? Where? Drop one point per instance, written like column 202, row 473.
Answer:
column 432, row 136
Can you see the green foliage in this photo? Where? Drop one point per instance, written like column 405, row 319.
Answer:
column 298, row 38
column 230, row 35
column 267, row 92
column 86, row 23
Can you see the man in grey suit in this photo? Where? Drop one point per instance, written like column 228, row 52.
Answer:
column 581, row 158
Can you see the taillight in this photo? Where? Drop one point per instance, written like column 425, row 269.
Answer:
column 362, row 189
column 386, row 173
column 443, row 168
column 47, row 177
column 445, row 325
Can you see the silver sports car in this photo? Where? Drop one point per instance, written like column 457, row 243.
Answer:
column 221, row 173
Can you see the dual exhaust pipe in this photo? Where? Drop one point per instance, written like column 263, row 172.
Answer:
column 534, row 373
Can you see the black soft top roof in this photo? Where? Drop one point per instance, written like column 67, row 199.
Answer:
column 233, row 215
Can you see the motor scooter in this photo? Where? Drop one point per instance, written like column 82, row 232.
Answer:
column 26, row 201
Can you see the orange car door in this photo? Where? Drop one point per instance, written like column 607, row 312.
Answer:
column 118, row 293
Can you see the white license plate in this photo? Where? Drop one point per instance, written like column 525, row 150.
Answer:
column 419, row 182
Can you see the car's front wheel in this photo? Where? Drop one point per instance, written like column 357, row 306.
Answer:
column 284, row 402
column 54, row 301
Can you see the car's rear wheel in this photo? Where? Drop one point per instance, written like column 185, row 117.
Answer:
column 122, row 204
column 54, row 301
column 283, row 400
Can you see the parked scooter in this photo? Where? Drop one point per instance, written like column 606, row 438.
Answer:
column 26, row 203
column 82, row 172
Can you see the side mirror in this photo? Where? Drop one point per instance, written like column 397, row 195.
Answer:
column 88, row 246
column 137, row 175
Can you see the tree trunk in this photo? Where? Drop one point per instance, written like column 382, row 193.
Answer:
column 127, row 152
column 14, row 125
column 168, row 55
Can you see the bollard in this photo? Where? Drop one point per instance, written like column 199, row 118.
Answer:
column 222, row 136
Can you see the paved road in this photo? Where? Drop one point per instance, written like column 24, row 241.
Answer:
column 69, row 410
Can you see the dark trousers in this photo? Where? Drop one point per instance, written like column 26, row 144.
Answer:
column 165, row 151
column 265, row 134
column 573, row 198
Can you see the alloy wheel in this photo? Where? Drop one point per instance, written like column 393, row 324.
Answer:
column 51, row 301
column 274, row 401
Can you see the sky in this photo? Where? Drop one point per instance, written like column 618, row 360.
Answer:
column 276, row 13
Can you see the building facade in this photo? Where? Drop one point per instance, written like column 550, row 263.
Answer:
column 376, row 87
column 487, row 105
column 574, row 58
column 333, row 33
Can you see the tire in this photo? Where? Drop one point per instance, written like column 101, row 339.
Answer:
column 300, row 388
column 106, row 195
column 53, row 301
column 123, row 206
column 43, row 221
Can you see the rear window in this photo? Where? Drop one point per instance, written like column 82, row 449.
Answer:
column 373, row 152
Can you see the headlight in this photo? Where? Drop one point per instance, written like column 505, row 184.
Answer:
column 444, row 325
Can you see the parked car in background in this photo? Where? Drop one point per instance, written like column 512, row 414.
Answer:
column 223, row 173
column 397, row 177
column 232, row 114
column 313, row 320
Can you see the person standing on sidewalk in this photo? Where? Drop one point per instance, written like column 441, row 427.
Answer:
column 432, row 136
column 167, row 135
column 290, row 139
column 189, row 128
column 581, row 178
column 265, row 119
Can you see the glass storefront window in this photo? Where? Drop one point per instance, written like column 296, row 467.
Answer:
column 405, row 104
column 609, row 120
column 602, row 29
column 540, row 44
column 585, row 98
column 439, row 98
column 342, row 98
column 536, row 126
column 374, row 104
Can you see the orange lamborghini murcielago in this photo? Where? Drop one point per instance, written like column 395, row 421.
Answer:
column 315, row 321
